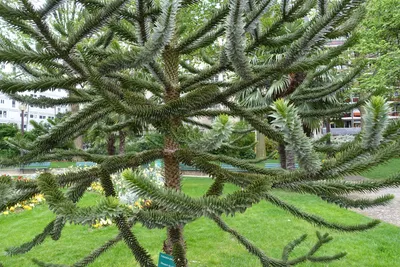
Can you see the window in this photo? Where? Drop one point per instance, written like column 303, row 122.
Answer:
column 31, row 116
column 5, row 114
column 13, row 103
column 2, row 101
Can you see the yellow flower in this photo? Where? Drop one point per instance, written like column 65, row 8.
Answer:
column 12, row 209
column 27, row 207
column 5, row 212
column 97, row 225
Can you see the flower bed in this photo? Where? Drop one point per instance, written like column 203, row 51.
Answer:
column 24, row 205
column 125, row 195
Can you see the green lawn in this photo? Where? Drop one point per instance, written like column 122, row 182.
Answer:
column 62, row 164
column 384, row 170
column 269, row 227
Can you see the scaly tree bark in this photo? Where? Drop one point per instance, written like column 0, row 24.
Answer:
column 175, row 244
column 122, row 140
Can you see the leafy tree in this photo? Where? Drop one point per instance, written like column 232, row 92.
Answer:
column 241, row 143
column 380, row 42
column 136, row 59
column 6, row 131
column 21, row 141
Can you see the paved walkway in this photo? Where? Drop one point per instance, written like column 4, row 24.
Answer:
column 389, row 213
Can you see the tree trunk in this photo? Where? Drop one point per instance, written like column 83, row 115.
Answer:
column 111, row 144
column 260, row 146
column 175, row 243
column 287, row 158
column 328, row 130
column 307, row 130
column 78, row 142
column 290, row 159
column 282, row 155
column 122, row 138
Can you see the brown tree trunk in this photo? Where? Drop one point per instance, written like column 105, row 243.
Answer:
column 307, row 130
column 175, row 243
column 260, row 146
column 122, row 138
column 111, row 144
column 282, row 155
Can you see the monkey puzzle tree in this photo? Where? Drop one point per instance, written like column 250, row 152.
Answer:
column 137, row 59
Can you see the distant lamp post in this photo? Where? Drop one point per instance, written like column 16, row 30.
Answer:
column 22, row 107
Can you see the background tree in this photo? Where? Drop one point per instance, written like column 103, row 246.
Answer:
column 145, row 65
column 6, row 131
column 380, row 43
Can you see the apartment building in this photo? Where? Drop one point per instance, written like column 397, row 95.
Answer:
column 353, row 119
column 11, row 111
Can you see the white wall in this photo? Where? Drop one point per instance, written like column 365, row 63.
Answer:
column 10, row 109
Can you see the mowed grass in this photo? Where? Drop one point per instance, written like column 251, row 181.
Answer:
column 265, row 225
column 62, row 164
column 384, row 171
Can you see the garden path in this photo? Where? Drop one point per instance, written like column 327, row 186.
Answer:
column 389, row 213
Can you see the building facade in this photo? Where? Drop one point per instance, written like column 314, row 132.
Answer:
column 353, row 119
column 11, row 110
